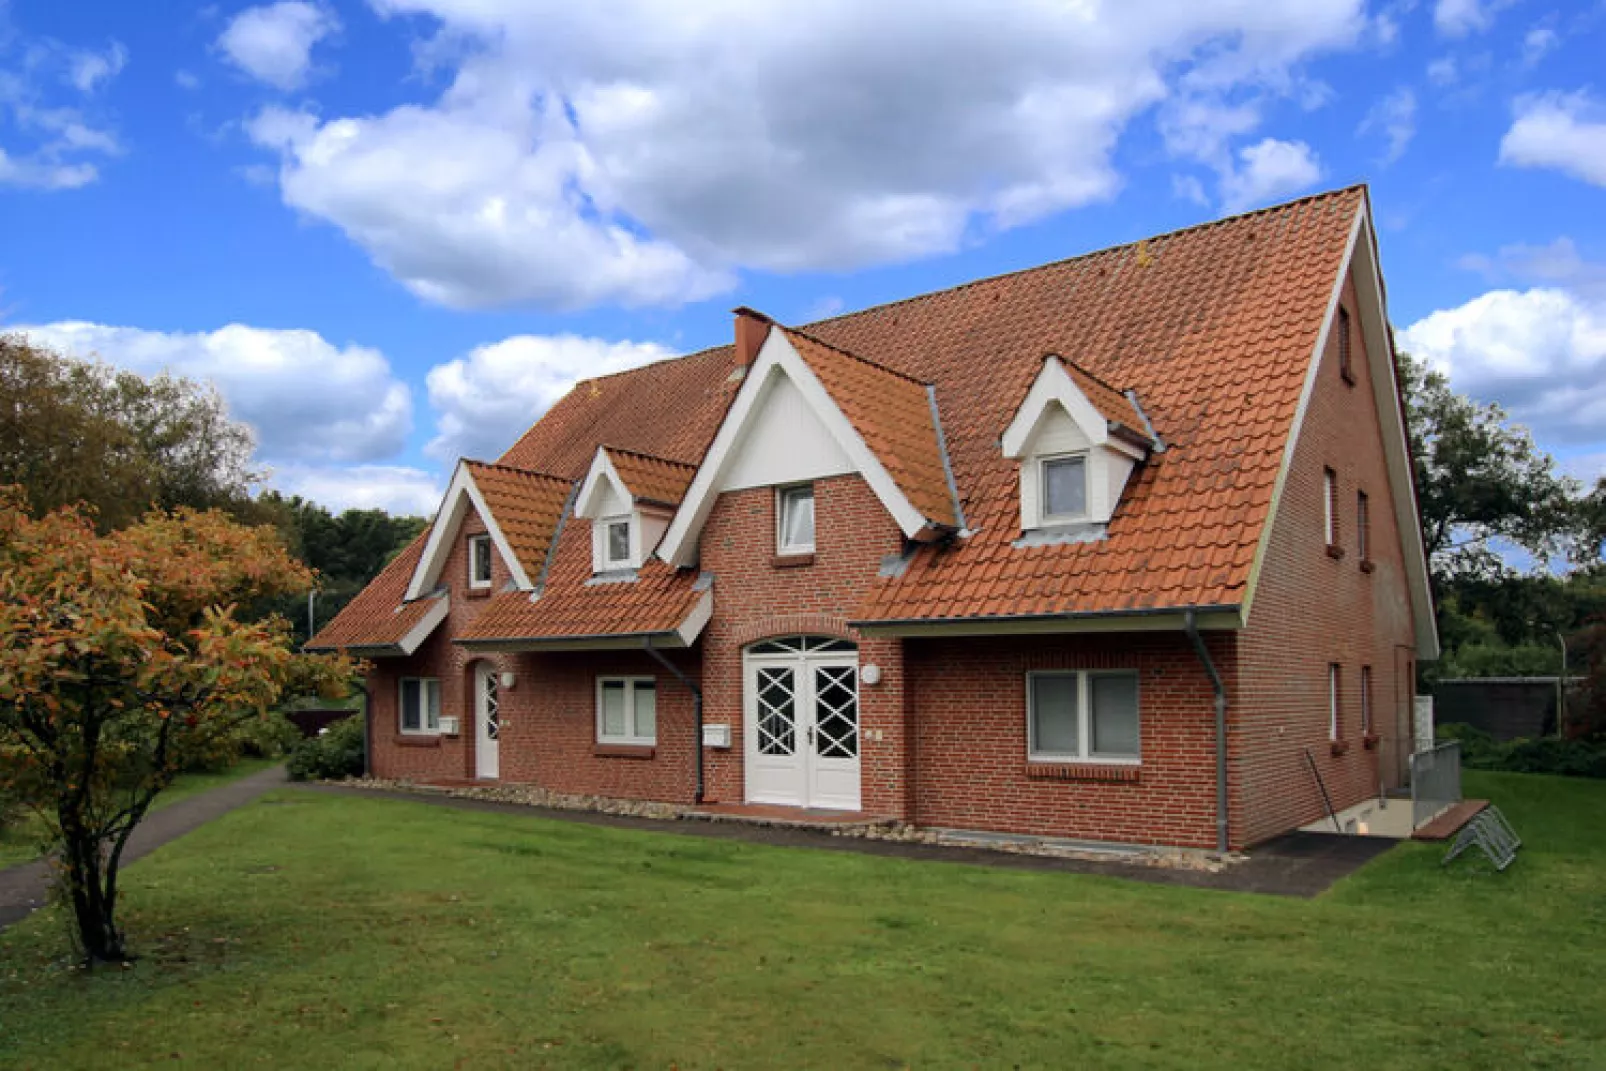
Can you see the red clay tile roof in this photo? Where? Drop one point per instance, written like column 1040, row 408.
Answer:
column 892, row 414
column 1113, row 405
column 657, row 601
column 1213, row 328
column 652, row 479
column 526, row 506
column 377, row 617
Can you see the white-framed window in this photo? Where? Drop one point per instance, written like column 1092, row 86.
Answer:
column 1330, row 502
column 479, row 561
column 1082, row 716
column 615, row 542
column 1334, row 672
column 1366, row 700
column 420, row 705
column 627, row 710
column 794, row 512
column 1064, row 487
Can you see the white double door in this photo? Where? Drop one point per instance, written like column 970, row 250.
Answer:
column 802, row 730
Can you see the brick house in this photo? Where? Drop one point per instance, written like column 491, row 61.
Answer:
column 1111, row 549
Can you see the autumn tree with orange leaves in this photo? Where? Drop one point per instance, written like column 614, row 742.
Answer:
column 122, row 660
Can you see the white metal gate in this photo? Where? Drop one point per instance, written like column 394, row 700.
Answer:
column 801, row 698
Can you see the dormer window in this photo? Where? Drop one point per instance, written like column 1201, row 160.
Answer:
column 479, row 561
column 616, row 542
column 1064, row 482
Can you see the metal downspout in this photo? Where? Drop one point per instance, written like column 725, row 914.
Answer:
column 1190, row 623
column 696, row 705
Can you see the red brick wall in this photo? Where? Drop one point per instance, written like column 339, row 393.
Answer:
column 753, row 599
column 1311, row 609
column 971, row 769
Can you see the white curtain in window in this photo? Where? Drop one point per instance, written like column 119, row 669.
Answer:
column 1065, row 487
column 1054, row 714
column 1114, row 699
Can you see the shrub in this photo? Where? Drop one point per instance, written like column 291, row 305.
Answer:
column 1547, row 755
column 334, row 754
column 270, row 737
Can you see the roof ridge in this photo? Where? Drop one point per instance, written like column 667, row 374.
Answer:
column 1090, row 254
column 854, row 356
column 647, row 456
column 704, row 352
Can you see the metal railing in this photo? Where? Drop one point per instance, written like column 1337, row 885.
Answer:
column 1435, row 782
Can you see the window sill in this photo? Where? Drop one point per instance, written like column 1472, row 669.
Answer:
column 1338, row 747
column 418, row 740
column 793, row 561
column 1083, row 771
column 1368, row 565
column 1347, row 376
column 477, row 593
column 623, row 751
column 1370, row 741
column 1335, row 552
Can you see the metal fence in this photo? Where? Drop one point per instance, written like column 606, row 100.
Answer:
column 1435, row 782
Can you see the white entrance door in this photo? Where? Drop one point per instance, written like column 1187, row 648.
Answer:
column 487, row 724
column 802, row 723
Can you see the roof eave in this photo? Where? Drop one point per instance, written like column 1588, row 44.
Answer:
column 1151, row 619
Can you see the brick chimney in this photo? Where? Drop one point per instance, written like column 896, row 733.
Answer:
column 752, row 328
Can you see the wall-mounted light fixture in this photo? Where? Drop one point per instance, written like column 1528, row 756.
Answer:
column 508, row 680
column 870, row 674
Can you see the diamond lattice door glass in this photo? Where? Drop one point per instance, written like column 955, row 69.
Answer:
column 777, row 710
column 488, row 716
column 836, row 712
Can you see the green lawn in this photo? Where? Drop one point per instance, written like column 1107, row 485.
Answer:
column 316, row 931
column 20, row 842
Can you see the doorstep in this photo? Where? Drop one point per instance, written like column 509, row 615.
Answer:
column 777, row 817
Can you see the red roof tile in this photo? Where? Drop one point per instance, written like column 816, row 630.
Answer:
column 377, row 617
column 652, row 479
column 526, row 507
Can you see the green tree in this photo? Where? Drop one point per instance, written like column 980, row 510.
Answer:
column 122, row 662
column 1482, row 481
column 82, row 432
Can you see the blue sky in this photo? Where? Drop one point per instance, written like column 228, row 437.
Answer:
column 392, row 231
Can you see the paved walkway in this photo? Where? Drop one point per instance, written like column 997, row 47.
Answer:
column 26, row 887
column 1298, row 864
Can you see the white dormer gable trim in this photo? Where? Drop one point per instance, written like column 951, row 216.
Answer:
column 460, row 494
column 600, row 480
column 778, row 359
column 1052, row 386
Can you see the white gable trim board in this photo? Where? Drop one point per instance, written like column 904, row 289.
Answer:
column 460, row 494
column 1361, row 257
column 776, row 359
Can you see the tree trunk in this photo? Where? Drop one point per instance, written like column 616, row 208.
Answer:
column 90, row 887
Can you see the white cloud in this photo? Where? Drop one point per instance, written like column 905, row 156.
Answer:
column 571, row 162
column 273, row 43
column 485, row 400
column 1267, row 171
column 186, row 80
column 1540, row 352
column 1562, row 131
column 1586, row 467
column 396, row 489
column 1459, row 18
column 88, row 69
column 1442, row 71
column 47, row 95
column 308, row 400
column 1189, row 188
column 1539, row 43
column 1394, row 117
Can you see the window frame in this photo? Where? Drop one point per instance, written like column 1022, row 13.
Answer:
column 475, row 542
column 424, row 727
column 607, row 525
column 631, row 738
column 782, row 496
column 1363, row 525
column 1335, row 702
column 1044, row 517
column 1346, row 355
column 1330, row 505
column 1084, row 718
column 1366, row 701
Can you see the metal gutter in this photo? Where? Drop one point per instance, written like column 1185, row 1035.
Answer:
column 696, row 706
column 1191, row 625
column 1070, row 615
column 947, row 464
